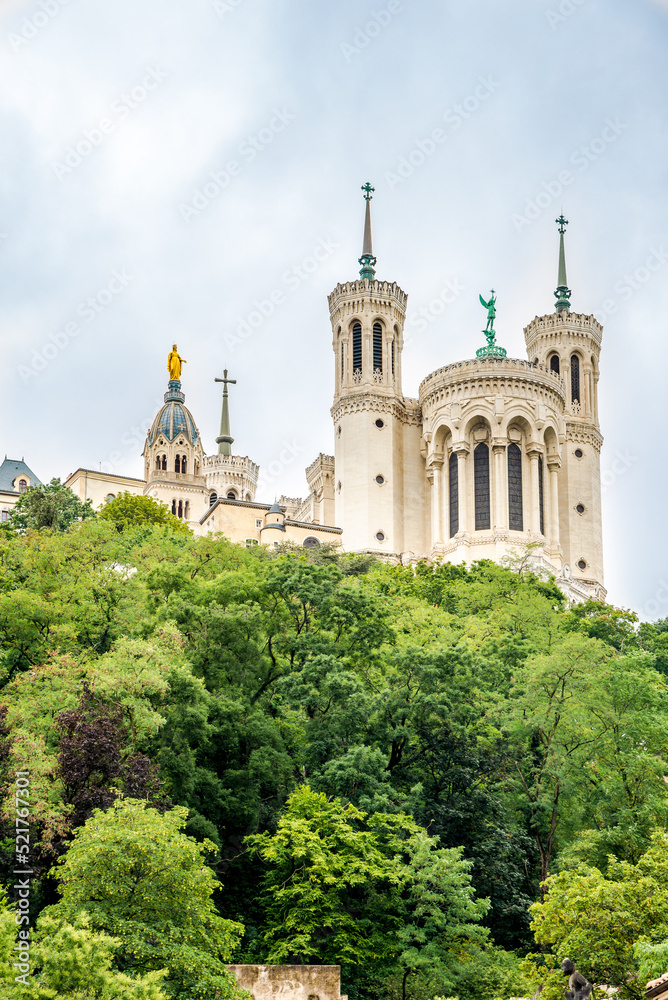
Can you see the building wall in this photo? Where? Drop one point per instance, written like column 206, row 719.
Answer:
column 290, row 982
column 98, row 486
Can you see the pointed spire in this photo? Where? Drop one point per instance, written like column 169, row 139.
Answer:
column 224, row 441
column 563, row 292
column 367, row 260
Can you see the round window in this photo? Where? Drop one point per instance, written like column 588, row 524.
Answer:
column 578, row 452
column 580, row 508
column 380, row 536
column 379, row 423
column 582, row 564
column 311, row 543
column 109, row 497
column 380, row 480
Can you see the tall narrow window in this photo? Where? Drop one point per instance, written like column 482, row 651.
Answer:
column 187, row 509
column 540, row 494
column 164, row 463
column 177, row 464
column 174, row 507
column 23, row 485
column 357, row 349
column 515, row 514
column 481, row 485
column 554, row 363
column 180, row 510
column 453, row 476
column 392, row 359
column 377, row 347
column 157, row 462
column 342, row 371
column 575, row 378
column 184, row 462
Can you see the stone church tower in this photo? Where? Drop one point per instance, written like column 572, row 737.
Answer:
column 496, row 453
column 379, row 470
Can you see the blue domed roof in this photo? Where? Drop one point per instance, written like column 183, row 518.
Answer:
column 174, row 419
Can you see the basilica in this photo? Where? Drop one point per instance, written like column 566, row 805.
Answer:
column 496, row 457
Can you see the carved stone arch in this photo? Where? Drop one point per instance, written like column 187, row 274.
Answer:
column 520, row 415
column 550, row 437
column 473, row 418
column 441, row 439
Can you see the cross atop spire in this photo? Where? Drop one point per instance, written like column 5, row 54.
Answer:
column 224, row 441
column 563, row 292
column 367, row 260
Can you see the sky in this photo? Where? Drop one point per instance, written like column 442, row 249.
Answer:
column 190, row 173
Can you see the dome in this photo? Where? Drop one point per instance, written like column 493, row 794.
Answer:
column 174, row 419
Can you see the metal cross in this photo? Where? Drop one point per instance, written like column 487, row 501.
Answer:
column 368, row 191
column 226, row 381
column 562, row 223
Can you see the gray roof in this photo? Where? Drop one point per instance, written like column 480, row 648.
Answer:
column 10, row 469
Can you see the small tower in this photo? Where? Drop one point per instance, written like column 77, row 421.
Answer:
column 228, row 476
column 272, row 531
column 379, row 470
column 570, row 345
column 173, row 452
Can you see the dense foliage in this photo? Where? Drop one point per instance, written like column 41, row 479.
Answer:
column 430, row 775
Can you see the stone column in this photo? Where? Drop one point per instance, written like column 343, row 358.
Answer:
column 462, row 487
column 535, row 493
column 553, row 474
column 436, row 502
column 500, row 522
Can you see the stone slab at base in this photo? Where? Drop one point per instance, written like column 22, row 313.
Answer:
column 290, row 982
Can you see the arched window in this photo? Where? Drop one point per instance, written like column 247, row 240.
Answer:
column 174, row 507
column 515, row 514
column 23, row 485
column 157, row 462
column 377, row 347
column 212, row 499
column 575, row 378
column 184, row 462
column 554, row 363
column 481, row 487
column 177, row 464
column 540, row 494
column 231, row 495
column 164, row 463
column 109, row 497
column 311, row 543
column 453, row 476
column 357, row 348
column 180, row 510
column 186, row 510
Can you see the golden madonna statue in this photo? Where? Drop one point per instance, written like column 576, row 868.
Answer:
column 174, row 364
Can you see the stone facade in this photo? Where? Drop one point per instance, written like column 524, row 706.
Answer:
column 290, row 982
column 495, row 454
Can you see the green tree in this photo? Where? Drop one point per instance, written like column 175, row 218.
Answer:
column 129, row 510
column 49, row 506
column 608, row 923
column 142, row 881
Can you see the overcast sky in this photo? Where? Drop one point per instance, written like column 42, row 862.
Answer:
column 170, row 169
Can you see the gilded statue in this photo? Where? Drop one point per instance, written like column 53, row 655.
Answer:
column 174, row 364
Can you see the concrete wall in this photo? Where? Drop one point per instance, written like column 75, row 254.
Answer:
column 290, row 982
